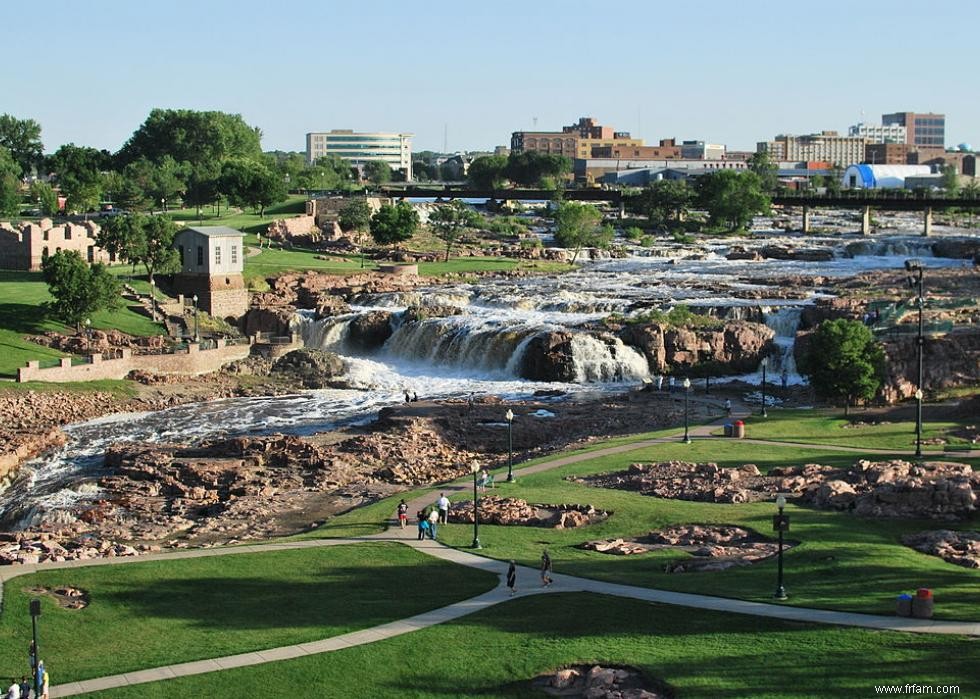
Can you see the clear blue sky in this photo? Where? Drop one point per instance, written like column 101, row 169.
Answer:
column 725, row 71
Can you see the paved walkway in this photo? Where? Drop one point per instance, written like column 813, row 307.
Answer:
column 527, row 585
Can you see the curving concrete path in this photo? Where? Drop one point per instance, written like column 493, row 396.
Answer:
column 527, row 585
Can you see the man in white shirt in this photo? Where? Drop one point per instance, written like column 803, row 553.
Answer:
column 443, row 504
column 433, row 521
column 14, row 691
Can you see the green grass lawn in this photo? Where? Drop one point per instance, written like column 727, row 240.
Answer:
column 824, row 427
column 156, row 613
column 494, row 653
column 843, row 562
column 245, row 221
column 22, row 294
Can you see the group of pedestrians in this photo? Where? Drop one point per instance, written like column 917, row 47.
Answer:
column 25, row 689
column 428, row 518
column 546, row 579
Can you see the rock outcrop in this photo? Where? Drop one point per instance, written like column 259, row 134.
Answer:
column 516, row 512
column 548, row 357
column 960, row 548
column 734, row 348
column 369, row 331
column 312, row 368
column 598, row 682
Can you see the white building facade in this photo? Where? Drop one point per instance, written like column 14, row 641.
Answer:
column 359, row 148
column 875, row 133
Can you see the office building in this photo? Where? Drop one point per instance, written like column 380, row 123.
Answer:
column 828, row 146
column 920, row 129
column 699, row 150
column 891, row 133
column 360, row 148
column 575, row 141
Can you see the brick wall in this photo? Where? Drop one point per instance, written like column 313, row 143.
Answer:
column 23, row 246
column 193, row 361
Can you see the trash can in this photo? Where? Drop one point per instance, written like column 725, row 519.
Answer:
column 903, row 605
column 739, row 430
column 729, row 429
column 922, row 603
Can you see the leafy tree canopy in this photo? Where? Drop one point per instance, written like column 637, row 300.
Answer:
column 79, row 290
column 46, row 198
column 377, row 172
column 22, row 137
column 79, row 170
column 843, row 360
column 488, row 172
column 190, row 136
column 732, row 198
column 10, row 199
column 393, row 224
column 577, row 226
column 147, row 240
column 530, row 167
column 8, row 166
column 252, row 183
column 355, row 215
column 664, row 201
column 449, row 221
column 762, row 165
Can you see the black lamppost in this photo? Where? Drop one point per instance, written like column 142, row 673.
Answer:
column 780, row 522
column 35, row 654
column 475, row 468
column 510, row 445
column 918, row 423
column 88, row 328
column 915, row 280
column 764, row 363
column 197, row 334
column 687, row 390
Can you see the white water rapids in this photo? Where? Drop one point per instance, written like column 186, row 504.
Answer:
column 479, row 352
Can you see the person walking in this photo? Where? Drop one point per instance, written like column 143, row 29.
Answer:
column 423, row 525
column 728, row 407
column 512, row 577
column 671, row 382
column 443, row 504
column 546, row 569
column 433, row 523
column 402, row 513
column 25, row 687
column 14, row 691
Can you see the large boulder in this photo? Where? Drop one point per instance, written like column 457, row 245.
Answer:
column 313, row 368
column 732, row 348
column 368, row 332
column 548, row 357
column 270, row 319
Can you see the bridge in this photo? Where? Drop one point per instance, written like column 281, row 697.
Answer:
column 866, row 200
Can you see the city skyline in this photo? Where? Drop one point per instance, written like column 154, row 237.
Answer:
column 467, row 80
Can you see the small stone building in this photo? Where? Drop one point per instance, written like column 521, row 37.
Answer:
column 211, row 262
column 24, row 246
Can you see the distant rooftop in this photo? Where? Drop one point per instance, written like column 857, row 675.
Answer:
column 215, row 231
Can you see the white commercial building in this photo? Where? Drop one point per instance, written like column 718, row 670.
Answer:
column 826, row 146
column 881, row 176
column 875, row 133
column 360, row 148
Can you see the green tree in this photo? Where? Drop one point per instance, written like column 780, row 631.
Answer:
column 488, row 172
column 79, row 289
column 377, row 172
column 664, row 201
column 394, row 224
column 8, row 166
column 79, row 170
column 22, row 137
column 141, row 239
column 843, row 360
column 10, row 198
column 950, row 180
column 252, row 183
column 355, row 215
column 531, row 167
column 577, row 226
column 198, row 138
column 762, row 165
column 46, row 198
column 449, row 221
column 834, row 178
column 732, row 198
column 203, row 186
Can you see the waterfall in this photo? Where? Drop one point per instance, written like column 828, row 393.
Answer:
column 783, row 320
column 461, row 341
column 890, row 247
column 598, row 361
column 323, row 334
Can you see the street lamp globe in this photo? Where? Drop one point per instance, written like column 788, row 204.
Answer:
column 687, row 384
column 780, row 501
column 509, row 415
column 918, row 394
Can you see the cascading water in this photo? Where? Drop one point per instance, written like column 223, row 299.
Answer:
column 783, row 321
column 598, row 361
column 323, row 334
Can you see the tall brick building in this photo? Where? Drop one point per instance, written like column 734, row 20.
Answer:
column 575, row 141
